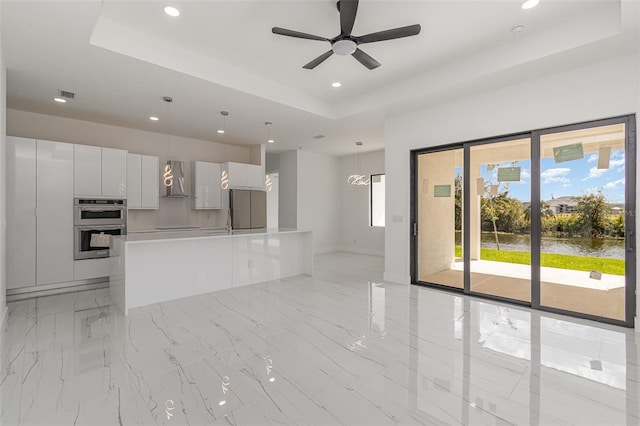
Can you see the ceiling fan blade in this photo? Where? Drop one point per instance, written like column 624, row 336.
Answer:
column 365, row 59
column 317, row 61
column 348, row 9
column 297, row 34
column 407, row 31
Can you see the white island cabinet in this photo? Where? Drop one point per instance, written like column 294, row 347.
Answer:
column 156, row 267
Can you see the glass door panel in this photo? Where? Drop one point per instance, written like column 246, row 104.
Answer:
column 582, row 191
column 500, row 215
column 439, row 218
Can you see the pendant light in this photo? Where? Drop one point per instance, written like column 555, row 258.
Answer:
column 358, row 179
column 168, row 173
column 268, row 124
column 224, row 115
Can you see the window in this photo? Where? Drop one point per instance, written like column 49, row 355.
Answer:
column 377, row 201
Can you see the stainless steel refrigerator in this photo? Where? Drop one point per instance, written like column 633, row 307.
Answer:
column 248, row 209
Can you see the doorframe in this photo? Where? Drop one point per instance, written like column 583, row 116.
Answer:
column 535, row 135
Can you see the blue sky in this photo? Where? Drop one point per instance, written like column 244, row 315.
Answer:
column 570, row 178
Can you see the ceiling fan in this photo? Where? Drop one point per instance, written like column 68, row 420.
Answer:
column 347, row 44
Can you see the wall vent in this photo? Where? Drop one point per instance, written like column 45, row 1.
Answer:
column 66, row 94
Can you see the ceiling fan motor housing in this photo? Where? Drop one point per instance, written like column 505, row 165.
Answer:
column 344, row 47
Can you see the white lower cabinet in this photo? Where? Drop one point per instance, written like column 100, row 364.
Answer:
column 54, row 222
column 143, row 182
column 21, row 212
column 91, row 268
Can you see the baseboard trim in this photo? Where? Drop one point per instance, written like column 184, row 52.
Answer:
column 397, row 278
column 55, row 289
column 3, row 323
column 360, row 250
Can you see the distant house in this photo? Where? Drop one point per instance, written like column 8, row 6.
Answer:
column 565, row 204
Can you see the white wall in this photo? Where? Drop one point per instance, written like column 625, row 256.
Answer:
column 3, row 151
column 172, row 212
column 357, row 236
column 599, row 90
column 319, row 200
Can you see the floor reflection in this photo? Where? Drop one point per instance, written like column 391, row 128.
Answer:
column 507, row 365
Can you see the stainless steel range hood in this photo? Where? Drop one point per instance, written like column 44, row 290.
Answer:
column 173, row 179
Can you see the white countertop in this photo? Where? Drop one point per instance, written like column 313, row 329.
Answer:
column 157, row 235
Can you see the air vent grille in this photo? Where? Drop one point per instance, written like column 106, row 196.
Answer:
column 66, row 94
column 318, row 136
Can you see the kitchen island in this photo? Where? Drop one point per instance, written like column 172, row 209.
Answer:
column 152, row 267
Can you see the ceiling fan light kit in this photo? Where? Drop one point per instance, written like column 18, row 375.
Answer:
column 347, row 44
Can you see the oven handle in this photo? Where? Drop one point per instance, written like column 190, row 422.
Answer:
column 100, row 208
column 100, row 228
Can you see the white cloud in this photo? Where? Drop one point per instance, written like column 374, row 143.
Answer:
column 615, row 164
column 614, row 184
column 592, row 158
column 557, row 175
column 595, row 172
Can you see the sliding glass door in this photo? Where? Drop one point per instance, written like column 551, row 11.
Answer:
column 439, row 198
column 545, row 218
column 582, row 194
column 500, row 219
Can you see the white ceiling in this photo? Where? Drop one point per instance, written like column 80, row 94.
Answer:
column 121, row 57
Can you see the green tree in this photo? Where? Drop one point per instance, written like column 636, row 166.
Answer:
column 592, row 210
column 457, row 192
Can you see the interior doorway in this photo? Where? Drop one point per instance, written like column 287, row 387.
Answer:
column 550, row 216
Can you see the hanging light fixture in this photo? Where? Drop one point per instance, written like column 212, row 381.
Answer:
column 168, row 173
column 268, row 124
column 358, row 179
column 224, row 115
column 267, row 183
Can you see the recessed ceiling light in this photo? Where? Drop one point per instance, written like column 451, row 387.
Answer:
column 336, row 84
column 171, row 11
column 61, row 100
column 530, row 4
column 270, row 140
column 517, row 29
column 220, row 131
column 152, row 118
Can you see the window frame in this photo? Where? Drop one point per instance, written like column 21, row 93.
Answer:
column 371, row 225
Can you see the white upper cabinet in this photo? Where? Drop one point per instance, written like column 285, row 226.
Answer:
column 206, row 185
column 244, row 176
column 87, row 171
column 99, row 172
column 255, row 176
column 134, row 181
column 150, row 182
column 114, row 173
column 21, row 212
column 143, row 182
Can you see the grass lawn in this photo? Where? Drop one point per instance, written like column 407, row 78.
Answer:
column 561, row 261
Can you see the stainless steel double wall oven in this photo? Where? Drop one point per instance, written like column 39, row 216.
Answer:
column 95, row 221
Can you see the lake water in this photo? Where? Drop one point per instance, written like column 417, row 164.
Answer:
column 597, row 247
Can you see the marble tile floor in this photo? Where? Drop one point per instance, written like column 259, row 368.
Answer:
column 339, row 348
